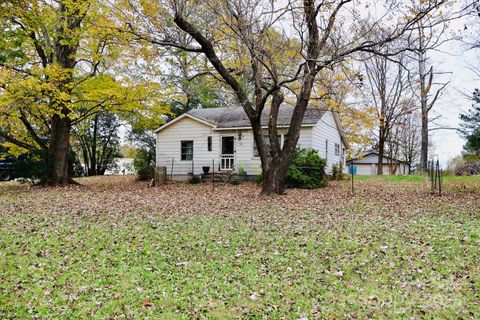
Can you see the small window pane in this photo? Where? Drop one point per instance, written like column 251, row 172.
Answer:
column 186, row 150
column 337, row 149
column 209, row 142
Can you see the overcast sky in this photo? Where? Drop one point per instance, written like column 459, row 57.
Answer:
column 456, row 57
column 454, row 61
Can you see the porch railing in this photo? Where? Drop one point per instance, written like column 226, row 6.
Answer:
column 227, row 162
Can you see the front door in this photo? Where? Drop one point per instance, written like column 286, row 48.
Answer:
column 227, row 158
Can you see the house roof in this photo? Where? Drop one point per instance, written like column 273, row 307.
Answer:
column 375, row 153
column 236, row 117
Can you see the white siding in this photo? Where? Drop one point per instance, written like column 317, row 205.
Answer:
column 244, row 147
column 169, row 140
column 305, row 139
column 326, row 129
column 365, row 169
column 371, row 158
column 168, row 146
column 244, row 152
column 370, row 169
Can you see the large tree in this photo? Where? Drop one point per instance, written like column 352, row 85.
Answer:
column 98, row 141
column 433, row 31
column 54, row 64
column 426, row 41
column 409, row 138
column 196, row 88
column 264, row 50
column 470, row 128
column 389, row 93
column 39, row 57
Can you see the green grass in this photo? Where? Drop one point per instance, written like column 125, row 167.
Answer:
column 409, row 178
column 126, row 251
column 365, row 178
column 387, row 178
column 419, row 178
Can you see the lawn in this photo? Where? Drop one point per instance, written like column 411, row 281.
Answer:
column 114, row 248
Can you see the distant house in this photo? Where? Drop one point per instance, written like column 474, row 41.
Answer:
column 124, row 166
column 222, row 137
column 367, row 165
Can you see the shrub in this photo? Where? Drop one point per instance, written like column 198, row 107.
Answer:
column 75, row 168
column 31, row 165
column 144, row 164
column 194, row 179
column 235, row 180
column 307, row 170
column 337, row 173
column 468, row 168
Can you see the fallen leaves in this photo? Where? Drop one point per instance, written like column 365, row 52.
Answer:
column 147, row 304
column 119, row 249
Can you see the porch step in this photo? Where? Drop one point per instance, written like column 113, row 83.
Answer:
column 222, row 176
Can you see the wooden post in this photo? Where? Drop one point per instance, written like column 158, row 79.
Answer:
column 438, row 176
column 171, row 171
column 353, row 172
column 213, row 173
column 160, row 175
column 432, row 173
column 340, row 165
column 440, row 182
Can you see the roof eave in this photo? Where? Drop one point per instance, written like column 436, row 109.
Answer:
column 376, row 153
column 338, row 123
column 185, row 115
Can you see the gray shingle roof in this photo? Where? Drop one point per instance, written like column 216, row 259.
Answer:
column 235, row 117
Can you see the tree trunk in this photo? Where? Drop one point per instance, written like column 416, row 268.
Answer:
column 381, row 151
column 65, row 49
column 57, row 161
column 424, row 89
column 393, row 168
column 93, row 171
column 275, row 173
column 424, row 149
column 274, row 180
column 274, row 164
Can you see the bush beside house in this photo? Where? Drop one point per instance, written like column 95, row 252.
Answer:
column 307, row 170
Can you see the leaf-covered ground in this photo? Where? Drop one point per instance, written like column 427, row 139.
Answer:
column 114, row 248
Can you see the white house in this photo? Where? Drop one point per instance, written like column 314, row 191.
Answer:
column 367, row 165
column 222, row 138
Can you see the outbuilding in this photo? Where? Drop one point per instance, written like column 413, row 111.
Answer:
column 367, row 165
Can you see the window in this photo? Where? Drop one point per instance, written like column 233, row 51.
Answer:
column 337, row 149
column 267, row 141
column 209, row 142
column 186, row 150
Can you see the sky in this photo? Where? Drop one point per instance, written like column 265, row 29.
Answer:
column 455, row 59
